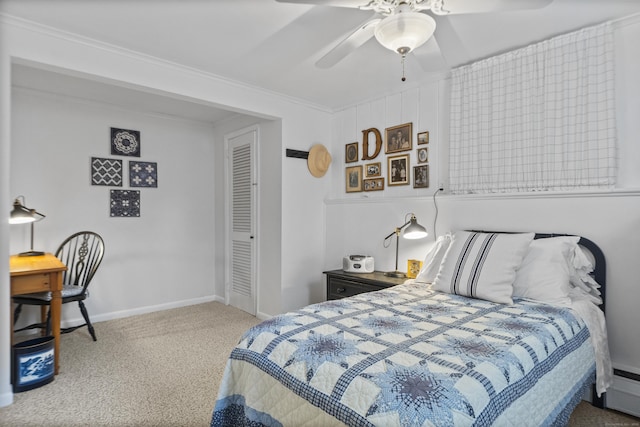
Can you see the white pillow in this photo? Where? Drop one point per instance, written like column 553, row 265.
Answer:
column 482, row 265
column 545, row 272
column 433, row 259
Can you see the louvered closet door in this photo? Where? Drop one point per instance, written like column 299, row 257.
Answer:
column 241, row 266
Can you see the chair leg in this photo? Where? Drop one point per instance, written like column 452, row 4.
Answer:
column 83, row 310
column 44, row 318
column 45, row 321
column 16, row 313
column 48, row 324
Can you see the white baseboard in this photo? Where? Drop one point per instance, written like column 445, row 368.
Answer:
column 263, row 316
column 6, row 399
column 140, row 310
column 624, row 396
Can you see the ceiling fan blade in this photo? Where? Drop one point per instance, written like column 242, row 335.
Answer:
column 453, row 7
column 451, row 47
column 348, row 45
column 338, row 3
column 430, row 57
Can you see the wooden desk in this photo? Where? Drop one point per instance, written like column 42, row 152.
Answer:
column 41, row 273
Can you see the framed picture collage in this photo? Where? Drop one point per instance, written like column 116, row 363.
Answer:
column 111, row 172
column 397, row 168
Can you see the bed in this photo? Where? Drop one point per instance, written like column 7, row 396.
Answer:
column 497, row 329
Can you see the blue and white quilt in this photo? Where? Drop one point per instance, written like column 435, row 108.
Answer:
column 409, row 356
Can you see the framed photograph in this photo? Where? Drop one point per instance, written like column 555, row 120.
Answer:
column 423, row 138
column 354, row 179
column 423, row 155
column 373, row 169
column 398, row 170
column 421, row 176
column 374, row 184
column 351, row 152
column 398, row 138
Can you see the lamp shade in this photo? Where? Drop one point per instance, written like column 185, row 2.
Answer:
column 410, row 230
column 405, row 31
column 22, row 214
column 414, row 230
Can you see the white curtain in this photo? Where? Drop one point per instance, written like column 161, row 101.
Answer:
column 536, row 119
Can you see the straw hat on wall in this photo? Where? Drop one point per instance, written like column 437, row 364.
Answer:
column 318, row 160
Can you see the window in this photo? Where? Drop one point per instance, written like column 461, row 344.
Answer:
column 540, row 118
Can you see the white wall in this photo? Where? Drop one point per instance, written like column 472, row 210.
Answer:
column 302, row 220
column 157, row 260
column 301, row 126
column 358, row 222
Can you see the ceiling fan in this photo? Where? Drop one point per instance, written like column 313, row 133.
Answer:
column 404, row 25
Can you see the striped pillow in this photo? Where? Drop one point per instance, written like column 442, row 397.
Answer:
column 482, row 265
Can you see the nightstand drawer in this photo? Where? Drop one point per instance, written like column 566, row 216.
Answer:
column 341, row 284
column 339, row 288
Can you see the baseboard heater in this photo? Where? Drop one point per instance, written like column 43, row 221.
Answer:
column 624, row 394
column 625, row 374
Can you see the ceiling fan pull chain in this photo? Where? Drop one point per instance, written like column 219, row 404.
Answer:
column 403, row 54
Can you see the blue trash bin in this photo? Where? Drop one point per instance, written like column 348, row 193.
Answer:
column 32, row 363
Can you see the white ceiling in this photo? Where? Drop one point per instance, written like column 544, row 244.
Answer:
column 275, row 45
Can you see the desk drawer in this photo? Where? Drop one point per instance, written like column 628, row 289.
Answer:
column 29, row 284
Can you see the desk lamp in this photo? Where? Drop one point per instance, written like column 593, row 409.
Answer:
column 23, row 215
column 413, row 231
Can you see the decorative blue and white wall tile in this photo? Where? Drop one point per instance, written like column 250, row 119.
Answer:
column 125, row 142
column 125, row 203
column 106, row 172
column 143, row 174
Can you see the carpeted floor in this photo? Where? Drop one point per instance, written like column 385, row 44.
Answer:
column 160, row 369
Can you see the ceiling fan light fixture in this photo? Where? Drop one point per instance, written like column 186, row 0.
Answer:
column 405, row 31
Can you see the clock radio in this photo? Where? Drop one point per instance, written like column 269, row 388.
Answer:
column 357, row 264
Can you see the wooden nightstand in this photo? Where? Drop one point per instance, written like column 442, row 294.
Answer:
column 341, row 284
